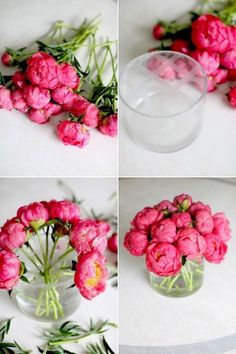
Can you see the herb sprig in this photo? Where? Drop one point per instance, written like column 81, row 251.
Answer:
column 99, row 348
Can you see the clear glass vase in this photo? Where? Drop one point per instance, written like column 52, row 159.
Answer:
column 185, row 283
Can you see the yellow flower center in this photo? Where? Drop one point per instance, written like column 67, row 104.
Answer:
column 93, row 281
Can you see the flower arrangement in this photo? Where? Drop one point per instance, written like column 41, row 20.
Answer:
column 208, row 36
column 50, row 80
column 37, row 244
column 175, row 238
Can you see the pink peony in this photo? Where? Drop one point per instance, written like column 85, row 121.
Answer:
column 182, row 220
column 91, row 274
column 204, row 222
column 209, row 61
column 162, row 68
column 86, row 236
column 70, row 104
column 71, row 133
column 52, row 109
column 182, row 201
column 232, row 96
column 19, row 79
column 215, row 248
column 89, row 112
column 136, row 242
column 38, row 116
column 112, row 243
column 221, row 227
column 145, row 218
column 195, row 207
column 220, row 76
column 208, row 32
column 108, row 125
column 158, row 31
column 232, row 75
column 69, row 76
column 5, row 98
column 62, row 94
column 103, row 226
column 190, row 243
column 166, row 207
column 36, row 97
column 12, row 235
column 64, row 210
column 18, row 100
column 163, row 259
column 7, row 59
column 181, row 46
column 34, row 214
column 43, row 71
column 228, row 59
column 164, row 231
column 211, row 83
column 9, row 270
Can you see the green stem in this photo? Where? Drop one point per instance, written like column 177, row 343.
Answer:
column 28, row 256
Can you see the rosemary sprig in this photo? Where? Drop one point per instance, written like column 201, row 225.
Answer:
column 54, row 350
column 9, row 347
column 99, row 348
column 4, row 328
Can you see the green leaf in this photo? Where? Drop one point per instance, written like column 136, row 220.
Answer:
column 4, row 328
column 99, row 348
column 23, row 278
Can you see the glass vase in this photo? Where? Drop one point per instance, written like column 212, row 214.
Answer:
column 185, row 283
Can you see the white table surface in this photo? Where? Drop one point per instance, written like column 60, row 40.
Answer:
column 95, row 192
column 28, row 149
column 212, row 154
column 149, row 319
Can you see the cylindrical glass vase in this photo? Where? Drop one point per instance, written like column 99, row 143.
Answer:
column 185, row 283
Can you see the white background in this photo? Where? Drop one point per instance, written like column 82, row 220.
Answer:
column 96, row 194
column 26, row 148
column 213, row 153
column 150, row 319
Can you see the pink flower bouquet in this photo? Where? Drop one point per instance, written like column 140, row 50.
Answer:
column 175, row 238
column 45, row 250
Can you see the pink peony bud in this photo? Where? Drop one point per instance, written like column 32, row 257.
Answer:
column 166, row 207
column 221, row 227
column 228, row 59
column 12, row 235
column 89, row 112
column 215, row 248
column 136, row 242
column 161, row 68
column 69, row 76
column 211, row 83
column 91, row 274
column 181, row 46
column 209, row 61
column 64, row 210
column 86, row 236
column 146, row 217
column 18, row 100
column 190, row 243
column 103, row 226
column 43, row 70
column 158, row 31
column 108, row 125
column 62, row 94
column 5, row 98
column 38, row 116
column 52, row 109
column 34, row 215
column 195, row 207
column 182, row 220
column 220, row 76
column 232, row 75
column 163, row 259
column 19, row 79
column 71, row 133
column 232, row 96
column 112, row 243
column 36, row 97
column 182, row 201
column 9, row 270
column 204, row 222
column 164, row 231
column 7, row 59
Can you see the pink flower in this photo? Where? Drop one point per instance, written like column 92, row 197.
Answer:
column 9, row 270
column 19, row 79
column 7, row 59
column 182, row 220
column 162, row 68
column 232, row 96
column 71, row 133
column 221, row 227
column 18, row 100
column 163, row 259
column 91, row 274
column 12, row 235
column 166, row 207
column 136, row 242
column 5, row 98
column 70, row 104
column 195, row 207
column 43, row 71
column 180, row 45
column 215, row 248
column 112, row 243
column 103, row 226
column 204, row 222
column 190, row 243
column 232, row 75
column 34, row 215
column 36, row 97
column 108, row 125
column 164, row 231
column 38, row 116
column 211, row 83
column 158, row 31
column 89, row 112
column 182, row 67
column 64, row 210
column 220, row 76
column 69, row 76
column 182, row 201
column 145, row 218
column 228, row 59
column 91, row 116
column 209, row 61
column 62, row 94
column 52, row 109
column 208, row 32
column 86, row 236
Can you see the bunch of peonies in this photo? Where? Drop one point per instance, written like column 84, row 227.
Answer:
column 47, row 88
column 88, row 237
column 209, row 41
column 170, row 233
